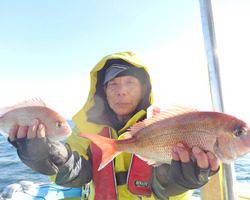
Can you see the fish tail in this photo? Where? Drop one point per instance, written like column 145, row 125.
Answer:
column 2, row 112
column 108, row 147
column 2, row 131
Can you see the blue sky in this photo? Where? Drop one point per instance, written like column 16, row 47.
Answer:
column 56, row 35
column 47, row 48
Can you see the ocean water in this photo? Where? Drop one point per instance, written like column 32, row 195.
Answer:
column 13, row 170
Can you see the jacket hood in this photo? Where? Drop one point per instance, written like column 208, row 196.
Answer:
column 96, row 110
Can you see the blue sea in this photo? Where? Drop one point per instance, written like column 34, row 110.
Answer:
column 13, row 170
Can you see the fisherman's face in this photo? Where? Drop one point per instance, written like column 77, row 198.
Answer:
column 123, row 95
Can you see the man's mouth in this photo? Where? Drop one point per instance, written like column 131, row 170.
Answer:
column 122, row 104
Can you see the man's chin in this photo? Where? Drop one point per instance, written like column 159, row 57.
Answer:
column 123, row 112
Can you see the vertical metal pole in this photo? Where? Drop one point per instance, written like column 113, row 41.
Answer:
column 215, row 87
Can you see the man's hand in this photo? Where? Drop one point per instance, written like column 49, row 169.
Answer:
column 37, row 130
column 204, row 160
column 192, row 173
column 189, row 169
column 36, row 150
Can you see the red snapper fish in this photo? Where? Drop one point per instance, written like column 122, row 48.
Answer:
column 153, row 139
column 24, row 113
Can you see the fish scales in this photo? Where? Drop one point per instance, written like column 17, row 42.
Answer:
column 159, row 147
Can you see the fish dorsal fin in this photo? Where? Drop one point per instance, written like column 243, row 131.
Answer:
column 171, row 112
column 27, row 103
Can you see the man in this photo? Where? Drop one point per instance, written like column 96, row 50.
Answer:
column 119, row 96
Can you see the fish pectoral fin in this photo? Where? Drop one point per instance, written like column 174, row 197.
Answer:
column 149, row 161
column 153, row 163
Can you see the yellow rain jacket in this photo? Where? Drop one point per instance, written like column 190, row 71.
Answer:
column 82, row 124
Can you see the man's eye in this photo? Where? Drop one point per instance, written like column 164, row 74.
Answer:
column 112, row 84
column 131, row 82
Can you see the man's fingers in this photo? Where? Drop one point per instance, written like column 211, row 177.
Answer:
column 32, row 132
column 201, row 157
column 22, row 131
column 183, row 153
column 41, row 131
column 213, row 161
column 175, row 155
column 156, row 110
column 13, row 132
column 36, row 130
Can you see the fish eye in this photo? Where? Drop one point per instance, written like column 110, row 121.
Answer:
column 59, row 124
column 238, row 131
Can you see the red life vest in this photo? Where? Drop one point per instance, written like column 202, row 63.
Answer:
column 138, row 178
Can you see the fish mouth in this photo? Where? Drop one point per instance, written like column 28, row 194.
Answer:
column 69, row 129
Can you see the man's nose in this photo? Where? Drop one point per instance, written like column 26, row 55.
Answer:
column 122, row 89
